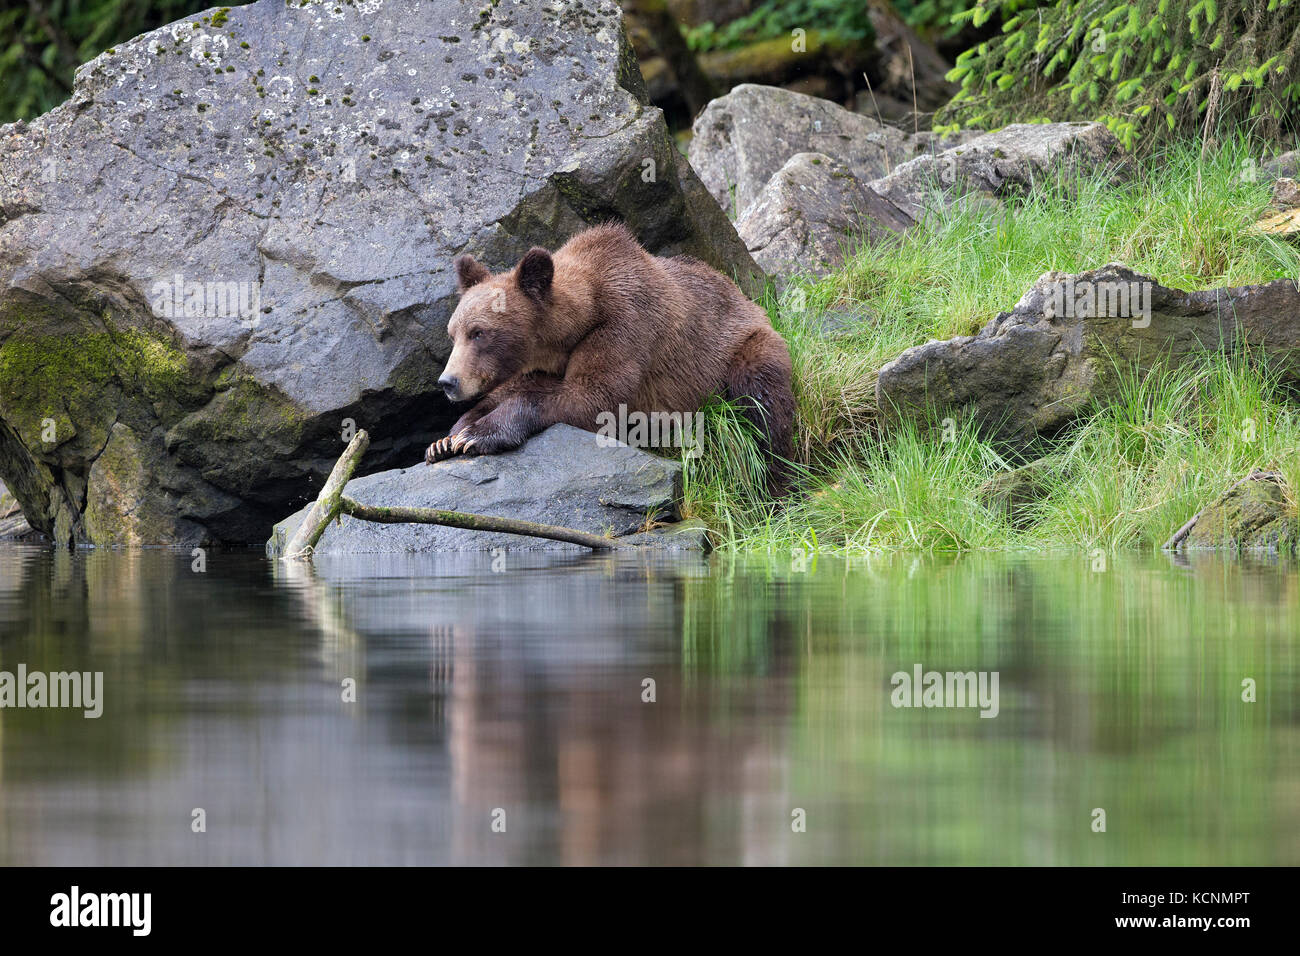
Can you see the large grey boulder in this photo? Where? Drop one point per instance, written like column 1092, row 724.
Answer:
column 742, row 139
column 1071, row 339
column 993, row 165
column 309, row 171
column 811, row 215
column 563, row 476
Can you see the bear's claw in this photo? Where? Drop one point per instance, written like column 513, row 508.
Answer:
column 448, row 447
column 439, row 450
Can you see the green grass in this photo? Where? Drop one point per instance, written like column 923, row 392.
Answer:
column 1128, row 475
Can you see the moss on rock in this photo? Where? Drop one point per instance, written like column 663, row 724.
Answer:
column 1253, row 515
column 65, row 378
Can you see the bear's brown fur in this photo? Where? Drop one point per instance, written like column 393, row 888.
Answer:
column 600, row 324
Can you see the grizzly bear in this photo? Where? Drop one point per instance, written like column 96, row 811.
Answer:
column 601, row 324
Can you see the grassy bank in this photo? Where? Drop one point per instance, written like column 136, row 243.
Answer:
column 1127, row 476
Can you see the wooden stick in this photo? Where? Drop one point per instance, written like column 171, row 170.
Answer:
column 473, row 522
column 330, row 503
column 327, row 505
column 1177, row 538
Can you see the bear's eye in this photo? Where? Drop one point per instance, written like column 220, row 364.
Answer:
column 476, row 334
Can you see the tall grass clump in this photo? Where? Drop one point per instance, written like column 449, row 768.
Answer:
column 909, row 489
column 724, row 477
column 1136, row 469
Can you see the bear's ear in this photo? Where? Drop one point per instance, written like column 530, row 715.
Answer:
column 469, row 272
column 535, row 272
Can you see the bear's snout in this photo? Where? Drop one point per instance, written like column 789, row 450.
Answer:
column 451, row 386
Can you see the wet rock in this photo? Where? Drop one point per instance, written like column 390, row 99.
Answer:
column 744, row 138
column 1064, row 346
column 811, row 215
column 562, row 476
column 308, row 172
column 1252, row 515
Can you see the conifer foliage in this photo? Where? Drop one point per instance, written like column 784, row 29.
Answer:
column 1147, row 69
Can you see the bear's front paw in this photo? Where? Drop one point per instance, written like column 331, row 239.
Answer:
column 490, row 435
column 448, row 447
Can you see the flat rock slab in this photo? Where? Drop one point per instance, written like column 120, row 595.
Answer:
column 559, row 477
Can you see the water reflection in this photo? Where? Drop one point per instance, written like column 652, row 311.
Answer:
column 515, row 694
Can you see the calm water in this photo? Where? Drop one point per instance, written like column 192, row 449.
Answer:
column 516, row 696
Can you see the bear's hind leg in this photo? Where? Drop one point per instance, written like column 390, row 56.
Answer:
column 759, row 381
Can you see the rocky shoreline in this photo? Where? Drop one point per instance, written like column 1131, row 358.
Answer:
column 141, row 406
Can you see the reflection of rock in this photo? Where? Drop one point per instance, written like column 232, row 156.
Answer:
column 318, row 220
column 560, row 477
column 519, row 687
column 810, row 215
column 1252, row 515
column 742, row 139
column 1069, row 340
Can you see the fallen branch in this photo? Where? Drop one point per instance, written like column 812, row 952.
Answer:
column 327, row 504
column 473, row 522
column 1178, row 536
column 330, row 504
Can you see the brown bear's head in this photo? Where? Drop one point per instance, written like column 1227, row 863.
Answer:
column 493, row 328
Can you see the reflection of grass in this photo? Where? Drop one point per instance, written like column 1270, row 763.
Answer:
column 1129, row 475
column 1119, row 690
